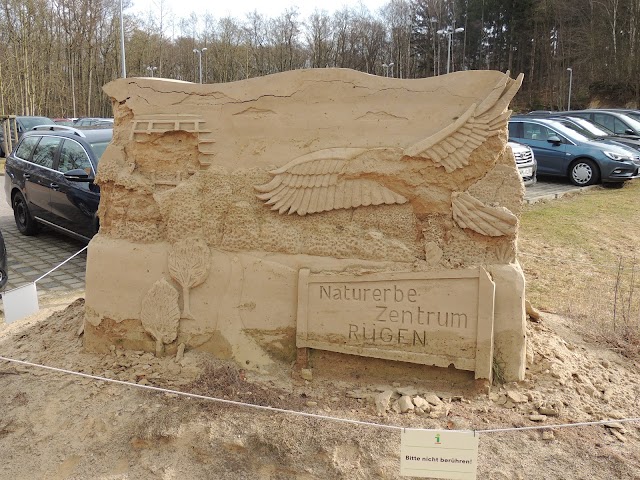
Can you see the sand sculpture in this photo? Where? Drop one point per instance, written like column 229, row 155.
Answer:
column 313, row 209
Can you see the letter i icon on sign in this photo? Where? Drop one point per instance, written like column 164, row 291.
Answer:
column 438, row 439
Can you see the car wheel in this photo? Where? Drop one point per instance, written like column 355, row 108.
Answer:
column 584, row 172
column 24, row 221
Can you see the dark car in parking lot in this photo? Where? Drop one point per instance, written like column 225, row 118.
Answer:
column 93, row 122
column 49, row 180
column 598, row 132
column 635, row 114
column 561, row 151
column 3, row 263
column 618, row 122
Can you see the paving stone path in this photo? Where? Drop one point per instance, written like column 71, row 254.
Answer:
column 30, row 257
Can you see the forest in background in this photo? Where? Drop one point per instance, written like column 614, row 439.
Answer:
column 58, row 54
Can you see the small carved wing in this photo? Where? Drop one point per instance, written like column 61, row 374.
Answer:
column 317, row 182
column 451, row 147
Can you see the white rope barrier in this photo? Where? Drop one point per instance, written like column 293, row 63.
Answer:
column 304, row 414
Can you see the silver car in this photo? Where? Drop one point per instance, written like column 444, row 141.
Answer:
column 525, row 161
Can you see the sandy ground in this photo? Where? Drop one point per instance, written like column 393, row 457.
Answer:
column 58, row 426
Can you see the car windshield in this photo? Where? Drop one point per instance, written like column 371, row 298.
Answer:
column 30, row 122
column 597, row 130
column 583, row 127
column 567, row 132
column 633, row 115
column 99, row 148
column 633, row 123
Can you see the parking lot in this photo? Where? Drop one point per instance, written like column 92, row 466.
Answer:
column 30, row 257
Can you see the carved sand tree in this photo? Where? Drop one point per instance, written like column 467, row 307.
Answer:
column 160, row 314
column 336, row 178
column 189, row 266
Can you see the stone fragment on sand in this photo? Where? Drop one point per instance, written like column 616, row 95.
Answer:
column 549, row 411
column 358, row 394
column 616, row 414
column 616, row 426
column 405, row 403
column 537, row 418
column 548, row 435
column 422, row 404
column 533, row 313
column 180, row 352
column 311, row 403
column 411, row 391
column 517, row 397
column 382, row 388
column 618, row 435
column 381, row 402
column 306, row 374
column 433, row 399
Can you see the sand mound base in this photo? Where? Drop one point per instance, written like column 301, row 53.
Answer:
column 58, row 426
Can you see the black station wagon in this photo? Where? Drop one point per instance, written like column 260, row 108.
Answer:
column 49, row 180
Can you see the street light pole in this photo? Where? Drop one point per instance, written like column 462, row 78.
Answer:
column 570, row 70
column 200, row 52
column 449, row 31
column 386, row 69
column 151, row 69
column 391, row 68
column 124, row 65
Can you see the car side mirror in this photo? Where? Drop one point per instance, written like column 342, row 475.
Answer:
column 555, row 140
column 78, row 175
column 628, row 131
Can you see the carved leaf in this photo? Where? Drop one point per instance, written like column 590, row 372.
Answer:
column 505, row 253
column 316, row 182
column 160, row 313
column 433, row 253
column 189, row 262
column 452, row 146
column 471, row 213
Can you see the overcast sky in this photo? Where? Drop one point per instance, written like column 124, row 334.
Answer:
column 239, row 8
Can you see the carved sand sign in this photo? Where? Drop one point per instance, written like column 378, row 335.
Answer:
column 438, row 318
column 230, row 190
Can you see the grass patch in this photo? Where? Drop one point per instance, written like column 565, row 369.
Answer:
column 581, row 260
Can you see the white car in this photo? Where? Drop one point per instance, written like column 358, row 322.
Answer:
column 525, row 161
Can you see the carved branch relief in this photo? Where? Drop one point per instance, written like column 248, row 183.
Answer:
column 471, row 213
column 160, row 314
column 189, row 266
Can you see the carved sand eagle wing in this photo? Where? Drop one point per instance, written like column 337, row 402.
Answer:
column 331, row 179
column 319, row 182
column 451, row 147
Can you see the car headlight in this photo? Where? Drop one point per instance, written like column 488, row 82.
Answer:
column 620, row 157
